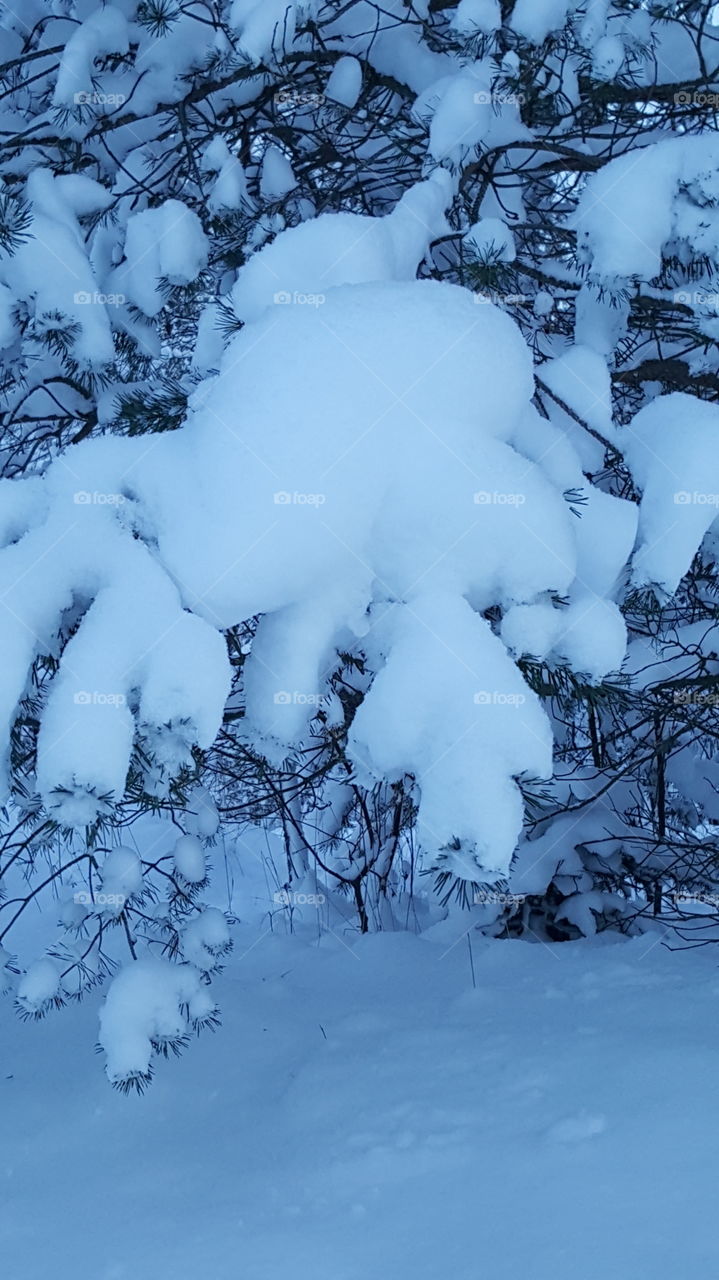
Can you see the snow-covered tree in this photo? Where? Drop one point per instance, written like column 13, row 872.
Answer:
column 359, row 467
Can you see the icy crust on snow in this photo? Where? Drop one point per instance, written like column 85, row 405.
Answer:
column 356, row 475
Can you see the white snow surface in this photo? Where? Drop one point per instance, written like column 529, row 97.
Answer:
column 366, row 1083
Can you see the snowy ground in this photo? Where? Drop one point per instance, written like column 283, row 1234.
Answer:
column 366, row 1113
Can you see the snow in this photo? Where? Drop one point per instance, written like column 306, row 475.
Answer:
column 458, row 111
column 535, row 21
column 103, row 32
column 366, row 1082
column 491, row 240
column 345, row 83
column 121, row 875
column 229, row 188
column 266, row 504
column 51, row 273
column 276, row 178
column 608, row 56
column 202, row 817
column 151, row 1002
column 634, row 206
column 164, row 243
column 38, row 985
column 671, row 448
column 303, row 262
column 189, row 859
column 264, row 25
column 466, row 729
column 205, row 939
column 477, row 15
column 580, row 378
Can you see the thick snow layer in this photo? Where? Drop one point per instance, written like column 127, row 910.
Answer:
column 364, row 1083
column 303, row 262
column 580, row 378
column 671, row 447
column 38, row 986
column 205, row 939
column 638, row 203
column 276, row 177
column 121, row 875
column 467, row 727
column 396, row 485
column 266, row 25
column 50, row 270
column 104, row 32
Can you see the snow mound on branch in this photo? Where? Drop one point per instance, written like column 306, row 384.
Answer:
column 672, row 447
column 104, row 32
column 267, row 26
column 189, row 858
column 50, row 270
column 638, row 204
column 303, row 262
column 38, row 986
column 166, row 243
column 151, row 1004
column 349, row 461
column 491, row 239
column 477, row 15
column 581, row 379
column 345, row 83
column 535, row 21
column 451, row 707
